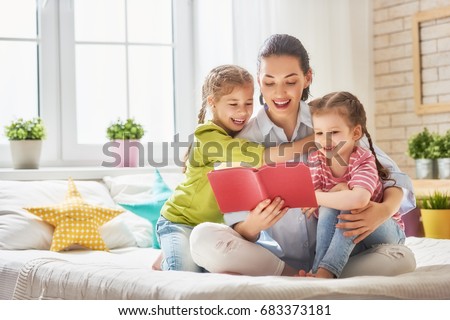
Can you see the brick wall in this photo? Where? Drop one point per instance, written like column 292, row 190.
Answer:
column 395, row 118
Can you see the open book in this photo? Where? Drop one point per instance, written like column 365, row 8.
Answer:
column 241, row 188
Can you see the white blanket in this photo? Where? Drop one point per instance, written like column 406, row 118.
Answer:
column 53, row 278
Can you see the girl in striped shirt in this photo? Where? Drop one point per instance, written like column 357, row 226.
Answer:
column 345, row 177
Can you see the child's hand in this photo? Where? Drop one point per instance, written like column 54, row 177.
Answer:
column 339, row 187
column 265, row 215
column 309, row 211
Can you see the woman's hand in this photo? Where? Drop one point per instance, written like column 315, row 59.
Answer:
column 265, row 215
column 362, row 222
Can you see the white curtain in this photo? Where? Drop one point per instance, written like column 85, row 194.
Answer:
column 337, row 35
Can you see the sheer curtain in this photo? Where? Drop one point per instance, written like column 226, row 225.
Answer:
column 337, row 35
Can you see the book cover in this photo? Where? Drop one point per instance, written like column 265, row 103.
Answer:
column 241, row 188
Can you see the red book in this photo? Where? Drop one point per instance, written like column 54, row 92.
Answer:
column 241, row 188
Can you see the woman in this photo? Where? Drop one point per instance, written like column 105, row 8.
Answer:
column 254, row 247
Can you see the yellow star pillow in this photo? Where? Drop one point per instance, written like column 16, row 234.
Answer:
column 75, row 221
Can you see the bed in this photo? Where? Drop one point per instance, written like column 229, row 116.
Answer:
column 126, row 274
column 29, row 270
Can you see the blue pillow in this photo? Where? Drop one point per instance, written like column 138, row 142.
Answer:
column 151, row 210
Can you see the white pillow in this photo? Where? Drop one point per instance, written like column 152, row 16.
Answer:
column 20, row 229
column 138, row 188
column 127, row 230
column 42, row 193
column 130, row 188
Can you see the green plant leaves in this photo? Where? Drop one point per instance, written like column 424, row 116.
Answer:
column 128, row 130
column 437, row 200
column 427, row 145
column 21, row 129
column 441, row 145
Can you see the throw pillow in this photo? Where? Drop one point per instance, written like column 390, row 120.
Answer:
column 137, row 188
column 75, row 221
column 150, row 210
column 22, row 230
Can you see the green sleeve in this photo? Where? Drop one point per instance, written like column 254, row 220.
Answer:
column 213, row 144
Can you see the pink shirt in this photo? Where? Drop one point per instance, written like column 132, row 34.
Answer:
column 361, row 172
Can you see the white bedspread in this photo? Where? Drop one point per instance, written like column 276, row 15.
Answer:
column 127, row 275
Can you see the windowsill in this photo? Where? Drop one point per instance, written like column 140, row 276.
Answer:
column 77, row 173
column 423, row 187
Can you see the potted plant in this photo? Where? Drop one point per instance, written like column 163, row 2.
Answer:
column 435, row 212
column 441, row 149
column 25, row 140
column 126, row 134
column 420, row 148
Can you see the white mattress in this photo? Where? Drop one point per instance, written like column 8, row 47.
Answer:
column 12, row 261
column 127, row 274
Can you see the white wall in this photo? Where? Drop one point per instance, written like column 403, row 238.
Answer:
column 337, row 35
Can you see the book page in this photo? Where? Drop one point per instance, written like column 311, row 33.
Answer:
column 290, row 181
column 236, row 189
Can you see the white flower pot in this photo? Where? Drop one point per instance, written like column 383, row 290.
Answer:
column 25, row 154
column 425, row 169
column 443, row 168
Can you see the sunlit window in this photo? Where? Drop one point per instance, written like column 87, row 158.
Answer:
column 123, row 67
column 19, row 96
column 83, row 64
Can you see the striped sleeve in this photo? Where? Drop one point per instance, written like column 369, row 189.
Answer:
column 363, row 172
column 316, row 170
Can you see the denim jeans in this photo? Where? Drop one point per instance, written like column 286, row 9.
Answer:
column 174, row 240
column 333, row 249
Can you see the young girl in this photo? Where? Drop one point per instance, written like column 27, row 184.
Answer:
column 339, row 122
column 283, row 248
column 228, row 91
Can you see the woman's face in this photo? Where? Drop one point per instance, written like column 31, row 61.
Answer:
column 282, row 81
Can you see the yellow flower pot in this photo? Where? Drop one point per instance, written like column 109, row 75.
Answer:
column 436, row 223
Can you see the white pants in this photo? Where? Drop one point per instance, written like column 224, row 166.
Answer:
column 219, row 249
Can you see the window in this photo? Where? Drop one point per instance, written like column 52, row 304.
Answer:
column 123, row 66
column 431, row 49
column 85, row 63
column 19, row 96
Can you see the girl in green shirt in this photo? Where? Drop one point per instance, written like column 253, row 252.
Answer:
column 228, row 92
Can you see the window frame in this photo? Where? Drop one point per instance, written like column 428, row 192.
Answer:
column 182, row 56
column 422, row 107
